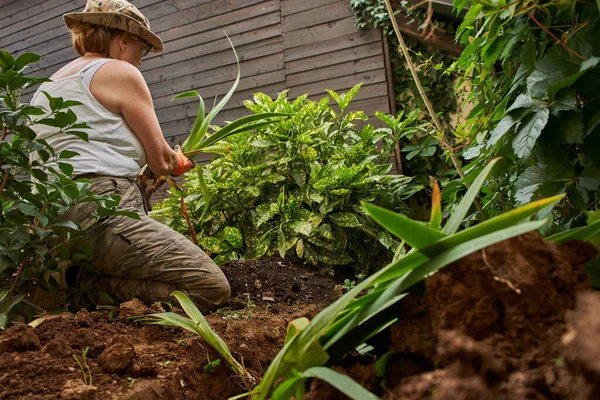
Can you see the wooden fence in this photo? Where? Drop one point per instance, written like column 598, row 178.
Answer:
column 304, row 46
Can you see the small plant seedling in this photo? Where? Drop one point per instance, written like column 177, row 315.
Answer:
column 210, row 367
column 86, row 373
column 131, row 381
column 348, row 284
column 167, row 363
column 249, row 303
column 181, row 342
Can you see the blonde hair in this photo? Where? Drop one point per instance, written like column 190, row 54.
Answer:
column 94, row 38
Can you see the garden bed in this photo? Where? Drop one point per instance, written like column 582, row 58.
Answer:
column 490, row 326
column 132, row 361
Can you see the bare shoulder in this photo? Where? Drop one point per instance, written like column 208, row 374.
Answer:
column 120, row 73
column 117, row 83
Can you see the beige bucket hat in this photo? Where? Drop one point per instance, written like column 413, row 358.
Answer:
column 116, row 14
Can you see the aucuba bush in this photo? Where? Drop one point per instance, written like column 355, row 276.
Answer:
column 35, row 243
column 294, row 187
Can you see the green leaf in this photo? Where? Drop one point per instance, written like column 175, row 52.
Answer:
column 232, row 128
column 302, row 227
column 213, row 245
column 581, row 233
column 569, row 127
column 67, row 154
column 565, row 100
column 80, row 134
column 528, row 133
column 66, row 168
column 26, row 59
column 585, row 66
column 590, row 178
column 233, row 236
column 6, row 60
column 265, row 212
column 413, row 232
column 65, row 224
column 342, row 382
column 346, row 219
column 385, row 239
column 200, row 326
column 465, row 204
column 500, row 130
column 265, row 142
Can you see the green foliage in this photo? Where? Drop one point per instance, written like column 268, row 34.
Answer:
column 210, row 367
column 294, row 187
column 534, row 69
column 35, row 242
column 422, row 156
column 351, row 320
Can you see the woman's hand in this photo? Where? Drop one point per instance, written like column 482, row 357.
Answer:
column 184, row 164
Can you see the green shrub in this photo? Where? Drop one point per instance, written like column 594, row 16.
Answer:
column 294, row 187
column 35, row 243
column 535, row 76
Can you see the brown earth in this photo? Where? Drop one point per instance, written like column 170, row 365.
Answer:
column 492, row 326
column 515, row 321
column 132, row 361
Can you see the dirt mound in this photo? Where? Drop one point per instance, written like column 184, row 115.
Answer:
column 276, row 280
column 490, row 327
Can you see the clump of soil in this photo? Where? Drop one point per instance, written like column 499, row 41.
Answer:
column 133, row 361
column 490, row 326
column 276, row 280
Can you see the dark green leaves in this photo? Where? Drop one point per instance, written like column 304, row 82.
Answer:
column 529, row 132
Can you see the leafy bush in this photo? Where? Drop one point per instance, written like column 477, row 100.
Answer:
column 35, row 243
column 535, row 74
column 294, row 187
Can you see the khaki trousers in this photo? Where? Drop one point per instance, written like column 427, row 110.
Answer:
column 144, row 258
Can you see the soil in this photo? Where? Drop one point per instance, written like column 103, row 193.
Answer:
column 275, row 280
column 132, row 361
column 493, row 326
column 515, row 321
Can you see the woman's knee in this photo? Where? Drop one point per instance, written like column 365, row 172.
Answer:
column 211, row 289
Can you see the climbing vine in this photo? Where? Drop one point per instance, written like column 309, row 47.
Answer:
column 422, row 156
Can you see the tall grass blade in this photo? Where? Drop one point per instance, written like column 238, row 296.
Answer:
column 230, row 128
column 199, row 119
column 435, row 222
column 465, row 204
column 207, row 333
column 500, row 222
column 581, row 233
column 413, row 232
column 286, row 389
column 198, row 325
column 341, row 382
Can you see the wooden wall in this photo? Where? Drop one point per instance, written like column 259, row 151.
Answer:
column 305, row 46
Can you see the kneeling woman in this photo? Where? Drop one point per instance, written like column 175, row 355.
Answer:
column 133, row 258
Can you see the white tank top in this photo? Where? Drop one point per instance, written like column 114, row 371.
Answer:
column 113, row 149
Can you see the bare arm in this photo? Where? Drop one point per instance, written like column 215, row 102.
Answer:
column 120, row 87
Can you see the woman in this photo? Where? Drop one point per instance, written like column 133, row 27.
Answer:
column 135, row 258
